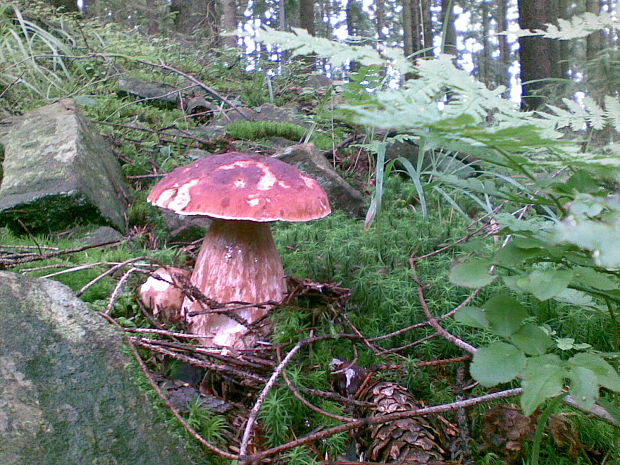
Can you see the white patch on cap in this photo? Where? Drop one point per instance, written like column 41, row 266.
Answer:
column 267, row 180
column 182, row 197
column 253, row 200
column 164, row 197
column 236, row 164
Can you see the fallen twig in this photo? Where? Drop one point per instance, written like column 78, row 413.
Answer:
column 259, row 402
column 308, row 404
column 161, row 395
column 383, row 419
column 45, row 256
column 109, row 272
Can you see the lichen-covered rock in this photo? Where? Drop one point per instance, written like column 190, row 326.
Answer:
column 58, row 171
column 150, row 91
column 66, row 395
column 307, row 159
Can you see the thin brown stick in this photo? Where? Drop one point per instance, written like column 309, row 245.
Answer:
column 408, row 346
column 161, row 395
column 241, row 374
column 259, row 402
column 119, row 287
column 45, row 256
column 432, row 320
column 200, row 84
column 303, row 400
column 109, row 272
column 384, row 419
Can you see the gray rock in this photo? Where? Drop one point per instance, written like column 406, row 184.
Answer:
column 318, row 82
column 101, row 235
column 66, row 395
column 197, row 154
column 58, row 172
column 185, row 228
column 307, row 159
column 266, row 112
column 152, row 91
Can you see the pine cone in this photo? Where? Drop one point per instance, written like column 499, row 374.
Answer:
column 409, row 440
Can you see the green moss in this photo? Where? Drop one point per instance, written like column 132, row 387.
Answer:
column 255, row 130
column 52, row 213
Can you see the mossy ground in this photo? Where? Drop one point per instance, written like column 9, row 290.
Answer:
column 374, row 264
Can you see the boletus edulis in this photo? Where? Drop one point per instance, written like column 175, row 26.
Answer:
column 238, row 260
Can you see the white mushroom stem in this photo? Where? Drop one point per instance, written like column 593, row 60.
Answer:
column 238, row 262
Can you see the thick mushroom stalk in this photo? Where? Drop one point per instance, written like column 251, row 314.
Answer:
column 238, row 262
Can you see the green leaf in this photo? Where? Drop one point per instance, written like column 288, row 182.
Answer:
column 543, row 377
column 545, row 284
column 497, row 363
column 582, row 181
column 472, row 316
column 565, row 343
column 597, row 237
column 471, row 274
column 505, row 314
column 605, row 373
column 515, row 225
column 528, row 243
column 532, row 340
column 512, row 255
column 592, row 278
column 583, row 387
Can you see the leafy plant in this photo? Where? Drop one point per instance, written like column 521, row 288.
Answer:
column 210, row 426
column 34, row 58
column 565, row 253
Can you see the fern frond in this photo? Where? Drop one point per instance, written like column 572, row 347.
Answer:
column 574, row 28
column 612, row 105
column 338, row 54
column 590, row 114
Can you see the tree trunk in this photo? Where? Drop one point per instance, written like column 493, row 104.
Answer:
column 484, row 57
column 306, row 16
column 535, row 53
column 448, row 28
column 593, row 41
column 426, row 25
column 350, row 17
column 504, row 48
column 229, row 22
column 306, row 21
column 153, row 22
column 408, row 41
column 282, row 15
column 380, row 19
column 193, row 16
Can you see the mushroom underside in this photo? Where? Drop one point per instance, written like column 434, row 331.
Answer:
column 238, row 262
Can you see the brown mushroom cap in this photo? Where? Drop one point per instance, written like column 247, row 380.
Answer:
column 238, row 186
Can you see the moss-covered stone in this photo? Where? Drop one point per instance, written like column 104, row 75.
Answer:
column 66, row 394
column 58, row 172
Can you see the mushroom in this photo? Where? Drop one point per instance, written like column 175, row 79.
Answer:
column 238, row 261
column 162, row 292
